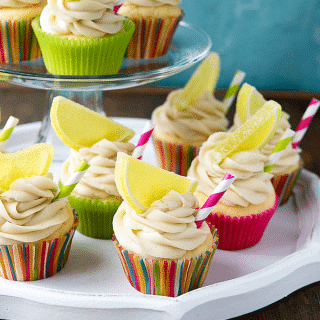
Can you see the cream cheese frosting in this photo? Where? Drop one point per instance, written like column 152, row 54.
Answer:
column 28, row 212
column 195, row 124
column 90, row 18
column 18, row 3
column 154, row 3
column 98, row 181
column 252, row 184
column 290, row 156
column 166, row 230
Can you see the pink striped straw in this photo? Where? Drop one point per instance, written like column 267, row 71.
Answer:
column 217, row 194
column 143, row 140
column 305, row 122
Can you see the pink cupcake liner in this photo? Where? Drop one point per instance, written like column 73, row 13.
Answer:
column 165, row 277
column 284, row 183
column 237, row 233
column 175, row 157
column 40, row 260
column 152, row 37
column 18, row 42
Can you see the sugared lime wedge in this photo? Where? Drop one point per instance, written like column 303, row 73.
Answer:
column 32, row 161
column 253, row 134
column 140, row 183
column 78, row 126
column 204, row 79
column 249, row 101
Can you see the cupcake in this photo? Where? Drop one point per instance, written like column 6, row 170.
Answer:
column 245, row 209
column 17, row 40
column 156, row 22
column 77, row 38
column 161, row 249
column 36, row 230
column 179, row 134
column 96, row 198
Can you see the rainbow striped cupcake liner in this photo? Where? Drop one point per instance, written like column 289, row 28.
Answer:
column 18, row 42
column 169, row 278
column 173, row 157
column 152, row 37
column 284, row 183
column 236, row 233
column 40, row 260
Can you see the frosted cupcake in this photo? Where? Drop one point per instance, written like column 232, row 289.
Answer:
column 244, row 211
column 17, row 40
column 161, row 249
column 179, row 134
column 36, row 230
column 96, row 198
column 156, row 22
column 82, row 38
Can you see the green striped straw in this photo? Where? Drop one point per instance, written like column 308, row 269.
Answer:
column 233, row 89
column 71, row 183
column 7, row 130
column 279, row 148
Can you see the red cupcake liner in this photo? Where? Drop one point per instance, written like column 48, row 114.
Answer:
column 152, row 37
column 284, row 183
column 237, row 233
column 173, row 157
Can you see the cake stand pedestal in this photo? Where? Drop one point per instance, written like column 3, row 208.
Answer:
column 189, row 46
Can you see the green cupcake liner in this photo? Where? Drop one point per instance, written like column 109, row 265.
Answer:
column 85, row 56
column 95, row 217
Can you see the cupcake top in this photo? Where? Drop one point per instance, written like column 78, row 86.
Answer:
column 154, row 3
column 166, row 230
column 252, row 185
column 195, row 124
column 98, row 181
column 92, row 19
column 18, row 3
column 28, row 211
column 290, row 157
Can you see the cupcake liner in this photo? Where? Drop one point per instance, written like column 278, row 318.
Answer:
column 237, row 233
column 18, row 42
column 284, row 183
column 85, row 56
column 165, row 277
column 152, row 37
column 175, row 157
column 39, row 260
column 95, row 217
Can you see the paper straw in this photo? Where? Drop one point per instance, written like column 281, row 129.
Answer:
column 73, row 180
column 217, row 194
column 143, row 140
column 7, row 130
column 279, row 148
column 305, row 122
column 233, row 89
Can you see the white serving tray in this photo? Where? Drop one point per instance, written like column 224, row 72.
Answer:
column 93, row 285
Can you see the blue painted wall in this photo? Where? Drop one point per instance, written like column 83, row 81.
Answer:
column 276, row 42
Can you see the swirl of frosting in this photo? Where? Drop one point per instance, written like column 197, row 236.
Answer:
column 28, row 212
column 195, row 124
column 154, row 3
column 92, row 19
column 252, row 184
column 18, row 3
column 98, row 181
column 290, row 156
column 166, row 230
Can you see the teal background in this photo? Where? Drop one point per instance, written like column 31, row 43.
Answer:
column 277, row 43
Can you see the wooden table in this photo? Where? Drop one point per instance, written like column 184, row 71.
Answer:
column 28, row 105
